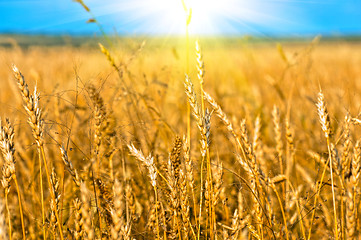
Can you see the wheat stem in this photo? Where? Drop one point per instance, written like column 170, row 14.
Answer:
column 20, row 207
column 60, row 226
column 42, row 195
column 333, row 190
column 282, row 209
column 8, row 212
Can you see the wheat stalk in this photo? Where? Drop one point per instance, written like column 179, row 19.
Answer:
column 36, row 122
column 326, row 128
column 8, row 150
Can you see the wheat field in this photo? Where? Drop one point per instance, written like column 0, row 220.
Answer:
column 255, row 141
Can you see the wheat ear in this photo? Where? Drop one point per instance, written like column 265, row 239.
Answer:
column 78, row 220
column 351, row 208
column 86, row 212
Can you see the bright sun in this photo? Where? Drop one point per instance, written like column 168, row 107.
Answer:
column 204, row 14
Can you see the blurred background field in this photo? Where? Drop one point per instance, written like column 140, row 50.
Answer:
column 252, row 69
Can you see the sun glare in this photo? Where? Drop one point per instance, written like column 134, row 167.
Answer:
column 208, row 16
column 204, row 14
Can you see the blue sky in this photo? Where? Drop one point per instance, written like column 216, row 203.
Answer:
column 232, row 17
